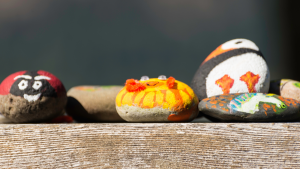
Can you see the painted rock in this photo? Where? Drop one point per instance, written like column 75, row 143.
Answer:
column 237, row 66
column 286, row 88
column 157, row 100
column 32, row 96
column 93, row 103
column 251, row 107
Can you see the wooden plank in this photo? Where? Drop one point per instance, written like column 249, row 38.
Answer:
column 150, row 145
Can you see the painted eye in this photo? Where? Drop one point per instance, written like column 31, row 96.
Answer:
column 37, row 84
column 162, row 77
column 23, row 84
column 143, row 78
column 283, row 106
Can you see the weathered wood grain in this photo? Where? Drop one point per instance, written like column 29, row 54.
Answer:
column 150, row 145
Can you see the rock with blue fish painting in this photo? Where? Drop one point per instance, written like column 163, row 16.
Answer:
column 250, row 107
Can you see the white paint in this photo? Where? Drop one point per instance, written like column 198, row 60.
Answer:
column 239, row 43
column 37, row 84
column 32, row 98
column 23, row 84
column 23, row 76
column 252, row 105
column 235, row 67
column 42, row 77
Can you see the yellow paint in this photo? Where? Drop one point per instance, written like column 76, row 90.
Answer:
column 159, row 95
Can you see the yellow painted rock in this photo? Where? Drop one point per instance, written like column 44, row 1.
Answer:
column 157, row 100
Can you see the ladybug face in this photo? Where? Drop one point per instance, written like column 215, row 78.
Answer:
column 32, row 86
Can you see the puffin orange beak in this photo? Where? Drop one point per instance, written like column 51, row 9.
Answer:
column 215, row 53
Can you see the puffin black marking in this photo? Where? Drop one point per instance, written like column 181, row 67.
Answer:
column 29, row 86
column 199, row 85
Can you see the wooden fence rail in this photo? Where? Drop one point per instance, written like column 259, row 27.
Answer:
column 150, row 145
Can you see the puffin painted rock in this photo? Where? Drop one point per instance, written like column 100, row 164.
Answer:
column 250, row 107
column 157, row 100
column 32, row 96
column 237, row 66
column 286, row 88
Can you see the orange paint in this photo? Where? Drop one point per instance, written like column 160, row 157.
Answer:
column 225, row 109
column 225, row 83
column 182, row 116
column 165, row 95
column 215, row 53
column 213, row 102
column 265, row 106
column 251, row 80
column 213, row 106
column 266, row 113
column 170, row 82
column 220, row 104
column 133, row 85
column 123, row 96
column 186, row 92
column 142, row 99
column 289, row 102
column 133, row 97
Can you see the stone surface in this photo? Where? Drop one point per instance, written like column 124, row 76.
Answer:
column 236, row 66
column 32, row 96
column 250, row 107
column 93, row 103
column 286, row 88
column 157, row 100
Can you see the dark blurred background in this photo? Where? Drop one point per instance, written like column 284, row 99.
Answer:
column 107, row 42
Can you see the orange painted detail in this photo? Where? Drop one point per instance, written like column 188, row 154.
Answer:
column 215, row 53
column 213, row 106
column 251, row 80
column 213, row 102
column 289, row 102
column 142, row 99
column 183, row 115
column 274, row 108
column 266, row 106
column 165, row 95
column 220, row 104
column 266, row 113
column 170, row 82
column 133, row 97
column 186, row 92
column 225, row 83
column 133, row 85
column 225, row 109
column 123, row 96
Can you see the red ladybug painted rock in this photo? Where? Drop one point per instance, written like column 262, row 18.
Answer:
column 32, row 96
column 237, row 66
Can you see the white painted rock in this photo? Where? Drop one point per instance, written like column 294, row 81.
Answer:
column 237, row 66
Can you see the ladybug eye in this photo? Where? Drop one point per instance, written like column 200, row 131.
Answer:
column 143, row 78
column 23, row 84
column 162, row 77
column 37, row 84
